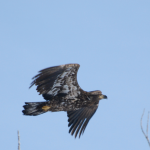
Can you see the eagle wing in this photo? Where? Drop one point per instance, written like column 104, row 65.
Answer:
column 58, row 80
column 79, row 119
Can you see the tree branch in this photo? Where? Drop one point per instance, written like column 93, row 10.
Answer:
column 18, row 141
column 145, row 134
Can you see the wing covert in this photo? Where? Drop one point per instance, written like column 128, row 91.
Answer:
column 58, row 80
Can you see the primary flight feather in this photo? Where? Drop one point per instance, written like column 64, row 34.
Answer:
column 59, row 87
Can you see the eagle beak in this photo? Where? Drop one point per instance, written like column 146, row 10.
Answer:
column 103, row 97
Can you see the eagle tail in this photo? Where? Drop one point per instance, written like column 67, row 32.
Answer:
column 35, row 108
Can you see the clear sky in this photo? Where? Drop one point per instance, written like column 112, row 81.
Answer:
column 111, row 42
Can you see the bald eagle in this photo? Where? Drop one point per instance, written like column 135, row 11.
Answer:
column 59, row 87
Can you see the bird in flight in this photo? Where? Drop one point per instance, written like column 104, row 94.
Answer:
column 59, row 87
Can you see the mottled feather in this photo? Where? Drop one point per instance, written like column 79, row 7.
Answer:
column 58, row 85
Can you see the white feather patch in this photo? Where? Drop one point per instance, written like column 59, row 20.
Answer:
column 66, row 82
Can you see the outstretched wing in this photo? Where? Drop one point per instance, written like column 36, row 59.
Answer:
column 58, row 80
column 79, row 119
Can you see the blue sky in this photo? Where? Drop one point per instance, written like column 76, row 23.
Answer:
column 111, row 42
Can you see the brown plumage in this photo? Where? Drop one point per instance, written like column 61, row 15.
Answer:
column 60, row 89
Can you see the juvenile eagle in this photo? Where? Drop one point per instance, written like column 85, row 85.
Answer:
column 59, row 87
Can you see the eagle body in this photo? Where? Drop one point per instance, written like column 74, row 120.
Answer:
column 59, row 87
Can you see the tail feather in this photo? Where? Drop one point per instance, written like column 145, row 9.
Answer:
column 34, row 108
